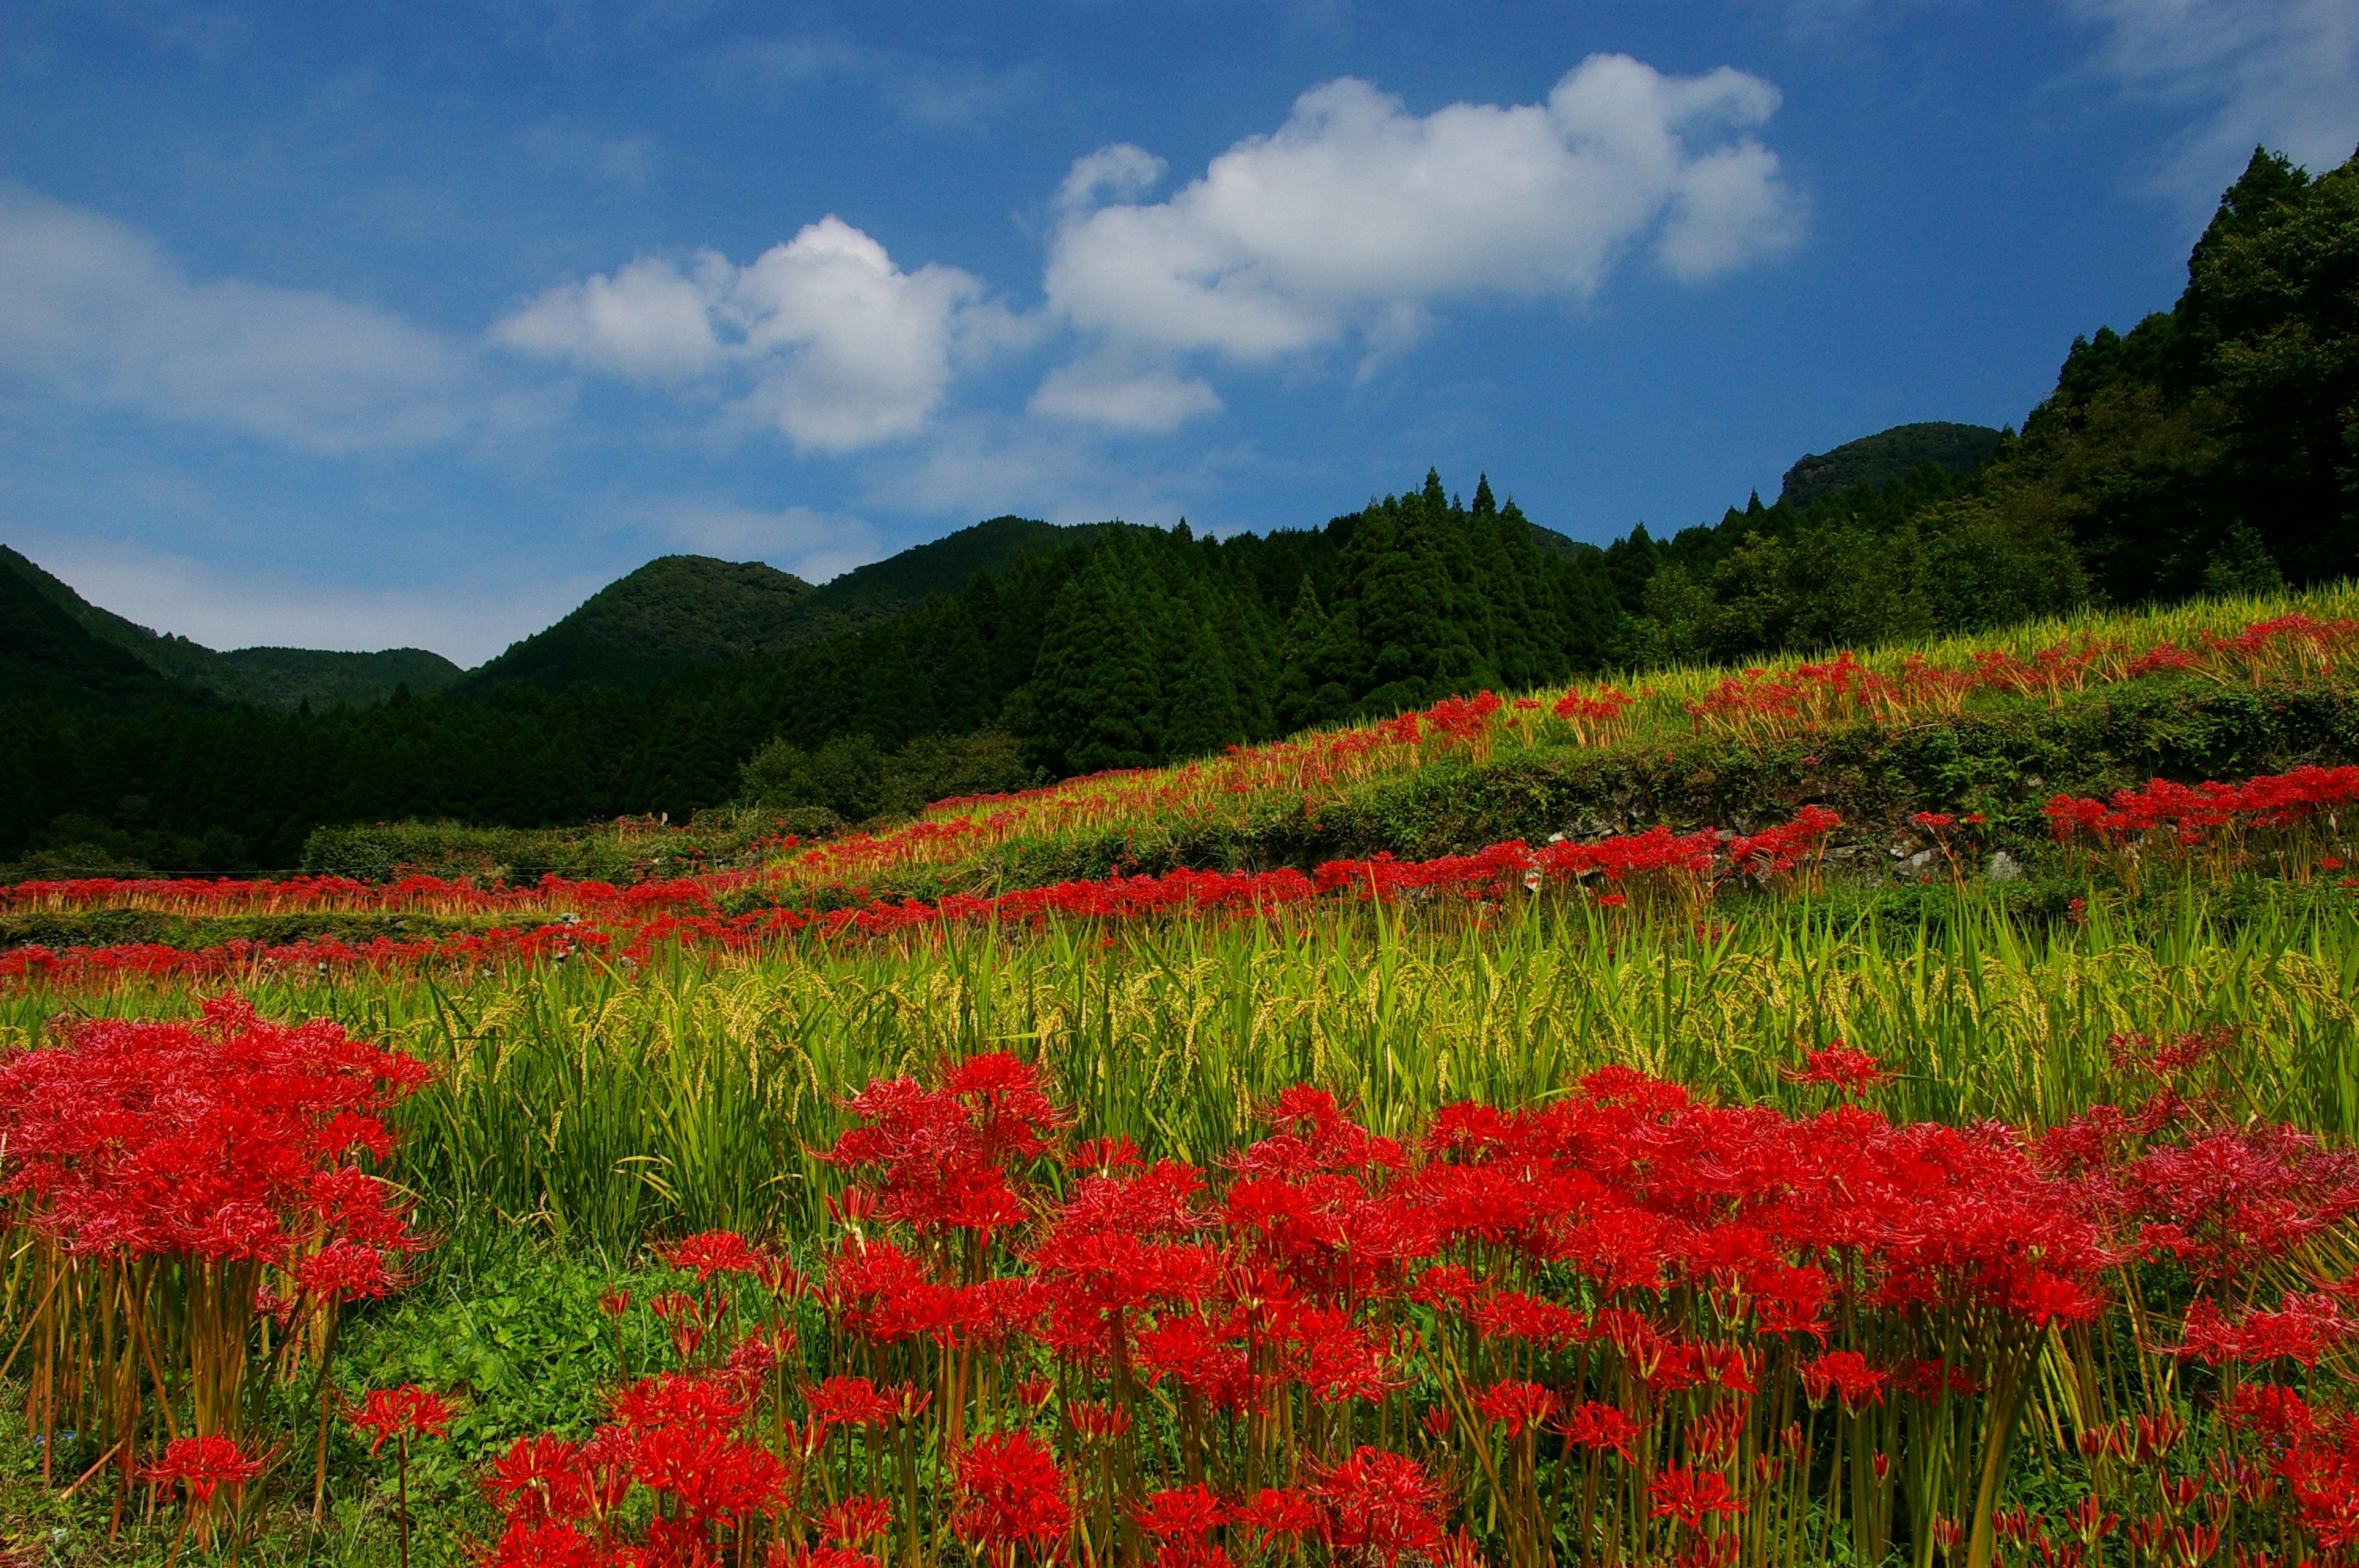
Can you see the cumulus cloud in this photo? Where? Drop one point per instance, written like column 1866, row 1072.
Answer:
column 1355, row 217
column 95, row 311
column 837, row 347
column 2282, row 73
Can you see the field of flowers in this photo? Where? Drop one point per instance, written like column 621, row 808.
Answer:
column 1653, row 1196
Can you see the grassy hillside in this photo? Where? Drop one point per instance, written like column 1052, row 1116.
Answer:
column 2047, row 706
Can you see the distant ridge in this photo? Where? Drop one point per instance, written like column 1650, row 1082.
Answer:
column 1885, row 456
column 106, row 659
column 677, row 612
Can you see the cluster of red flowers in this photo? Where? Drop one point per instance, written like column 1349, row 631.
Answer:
column 406, row 895
column 1688, row 865
column 1679, row 1305
column 226, row 1138
column 2176, row 817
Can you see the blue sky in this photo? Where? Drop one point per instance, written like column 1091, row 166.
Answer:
column 374, row 324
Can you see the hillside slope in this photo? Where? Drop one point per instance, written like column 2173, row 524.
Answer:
column 681, row 613
column 1885, row 456
column 39, row 605
column 45, row 651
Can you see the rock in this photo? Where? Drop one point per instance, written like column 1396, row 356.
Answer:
column 2003, row 868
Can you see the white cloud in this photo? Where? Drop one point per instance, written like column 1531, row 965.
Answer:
column 2280, row 73
column 1356, row 216
column 1151, row 400
column 95, row 311
column 841, row 348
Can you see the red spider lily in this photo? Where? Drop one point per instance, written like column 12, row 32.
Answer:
column 1593, row 1425
column 1841, row 1068
column 856, row 1520
column 547, row 1544
column 202, row 1466
column 1515, row 1405
column 711, row 1253
column 1382, row 1504
column 541, row 1479
column 1011, row 1493
column 1690, row 1495
column 1843, row 1372
column 850, row 1401
column 403, row 1412
column 1184, row 1513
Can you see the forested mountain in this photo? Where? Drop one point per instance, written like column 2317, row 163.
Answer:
column 103, row 660
column 2213, row 448
column 1128, row 645
column 1887, row 456
column 678, row 612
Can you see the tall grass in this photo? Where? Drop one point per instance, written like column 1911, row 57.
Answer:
column 598, row 1105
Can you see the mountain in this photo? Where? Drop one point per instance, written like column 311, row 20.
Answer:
column 672, row 615
column 47, row 652
column 1885, row 456
column 105, row 658
column 288, row 678
column 945, row 565
column 678, row 612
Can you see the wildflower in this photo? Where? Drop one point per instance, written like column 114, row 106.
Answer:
column 857, row 1518
column 1843, row 1372
column 711, row 1253
column 1841, row 1068
column 1186, row 1513
column 1379, row 1503
column 1011, row 1493
column 1689, row 1496
column 204, row 1465
column 403, row 1412
column 1515, row 1405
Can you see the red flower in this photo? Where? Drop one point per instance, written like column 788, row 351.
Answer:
column 204, row 1465
column 1594, row 1425
column 547, row 1544
column 1845, row 1372
column 1377, row 1502
column 401, row 1412
column 857, row 1518
column 711, row 1253
column 540, row 1479
column 1517, row 1405
column 1011, row 1493
column 1843, row 1069
column 1188, row 1513
column 1688, row 1494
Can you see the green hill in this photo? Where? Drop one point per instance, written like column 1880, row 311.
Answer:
column 672, row 615
column 288, row 678
column 45, row 651
column 64, row 648
column 945, row 565
column 1885, row 456
column 680, row 613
